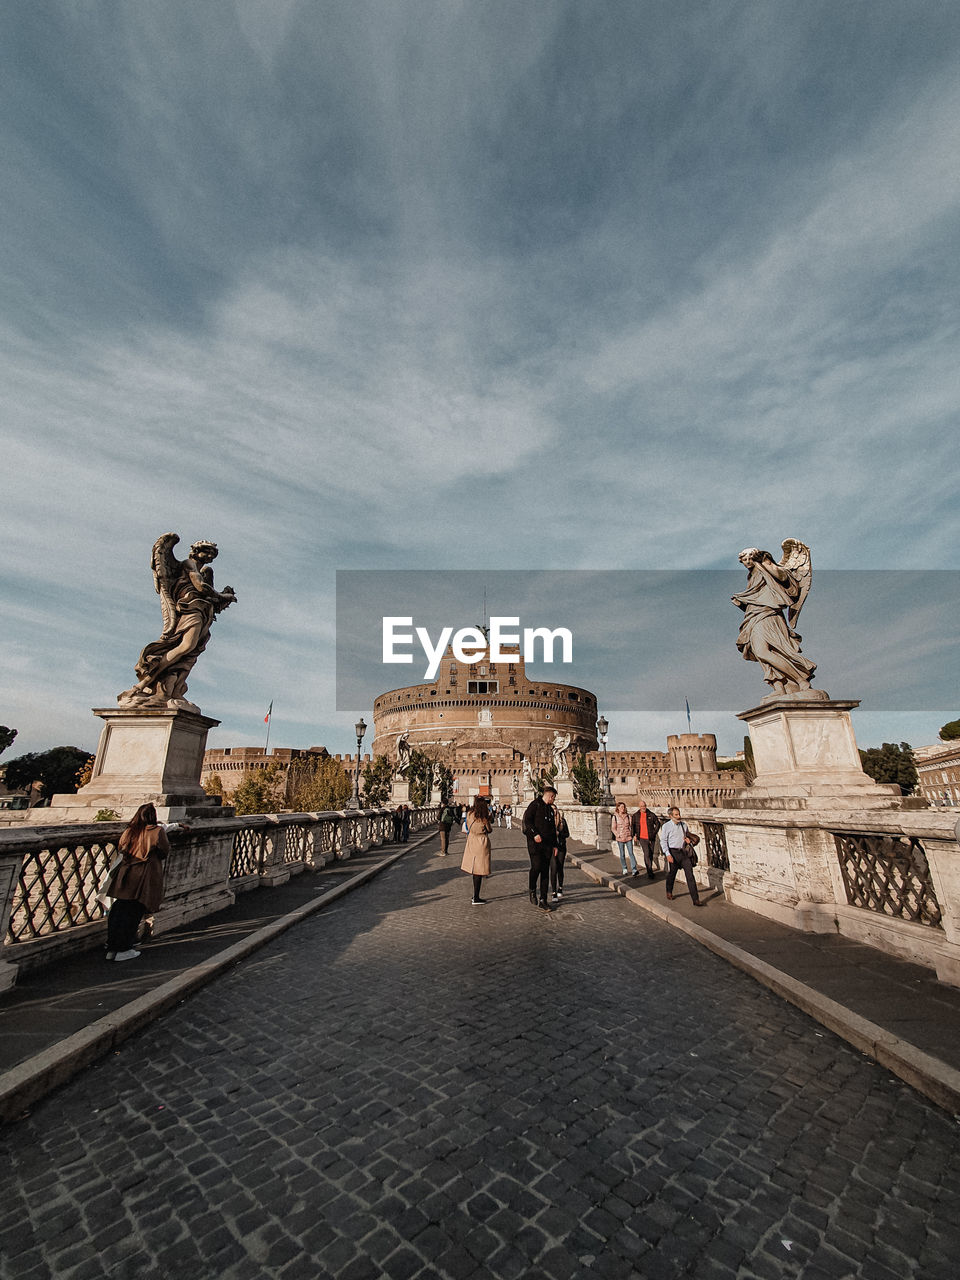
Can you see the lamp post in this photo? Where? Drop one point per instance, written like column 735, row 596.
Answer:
column 359, row 729
column 602, row 728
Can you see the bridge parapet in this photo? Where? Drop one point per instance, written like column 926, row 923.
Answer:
column 52, row 878
column 886, row 877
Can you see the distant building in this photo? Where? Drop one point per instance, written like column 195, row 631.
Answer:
column 486, row 720
column 685, row 774
column 938, row 774
column 233, row 764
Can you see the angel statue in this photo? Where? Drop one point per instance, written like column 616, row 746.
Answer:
column 189, row 603
column 403, row 756
column 766, row 636
column 561, row 745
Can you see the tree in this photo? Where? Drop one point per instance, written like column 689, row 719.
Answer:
column 6, row 737
column 262, row 790
column 320, row 783
column 444, row 776
column 213, row 785
column 586, row 781
column 377, row 780
column 56, row 770
column 420, row 776
column 949, row 733
column 891, row 763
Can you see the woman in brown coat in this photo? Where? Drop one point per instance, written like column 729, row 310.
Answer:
column 136, row 886
column 476, row 853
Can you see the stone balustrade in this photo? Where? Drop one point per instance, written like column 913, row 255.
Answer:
column 51, row 877
column 889, row 878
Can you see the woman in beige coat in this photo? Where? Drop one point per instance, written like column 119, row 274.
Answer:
column 136, row 886
column 476, row 853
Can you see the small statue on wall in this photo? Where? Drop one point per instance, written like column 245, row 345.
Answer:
column 189, row 603
column 767, row 635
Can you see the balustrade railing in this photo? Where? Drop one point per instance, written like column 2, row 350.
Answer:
column 890, row 875
column 60, row 873
column 715, row 839
column 59, row 884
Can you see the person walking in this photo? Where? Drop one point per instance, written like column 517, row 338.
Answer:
column 678, row 847
column 559, row 854
column 645, row 826
column 540, row 829
column 397, row 823
column 447, row 819
column 404, row 823
column 136, row 884
column 476, row 852
column 508, row 816
column 621, row 831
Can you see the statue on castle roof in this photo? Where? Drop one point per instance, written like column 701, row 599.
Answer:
column 771, row 604
column 189, row 603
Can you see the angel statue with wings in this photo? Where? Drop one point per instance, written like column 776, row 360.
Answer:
column 189, row 603
column 766, row 636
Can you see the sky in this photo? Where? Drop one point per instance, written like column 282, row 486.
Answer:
column 465, row 285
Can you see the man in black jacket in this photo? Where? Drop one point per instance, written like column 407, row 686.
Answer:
column 646, row 824
column 540, row 828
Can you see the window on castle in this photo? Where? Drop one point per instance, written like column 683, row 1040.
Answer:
column 483, row 686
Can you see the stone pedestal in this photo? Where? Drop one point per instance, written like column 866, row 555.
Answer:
column 565, row 794
column 399, row 792
column 806, row 755
column 145, row 755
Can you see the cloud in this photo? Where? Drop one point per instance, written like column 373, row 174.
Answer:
column 452, row 285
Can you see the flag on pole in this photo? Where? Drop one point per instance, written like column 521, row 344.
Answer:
column 687, row 701
column 266, row 718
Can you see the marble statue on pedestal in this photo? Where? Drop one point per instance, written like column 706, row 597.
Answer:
column 561, row 745
column 189, row 603
column 766, row 635
column 403, row 756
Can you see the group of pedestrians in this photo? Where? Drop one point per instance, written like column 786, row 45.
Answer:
column 676, row 842
column 501, row 814
column 546, row 833
column 401, row 823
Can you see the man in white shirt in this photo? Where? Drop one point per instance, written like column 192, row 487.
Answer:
column 678, row 853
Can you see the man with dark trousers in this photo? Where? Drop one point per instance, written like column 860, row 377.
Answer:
column 678, row 852
column 540, row 828
column 645, row 827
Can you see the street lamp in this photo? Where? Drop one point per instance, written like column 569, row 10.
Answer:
column 602, row 728
column 359, row 729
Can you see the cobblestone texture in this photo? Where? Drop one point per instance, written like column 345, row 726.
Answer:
column 408, row 1086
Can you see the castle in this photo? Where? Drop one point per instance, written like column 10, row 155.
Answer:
column 494, row 728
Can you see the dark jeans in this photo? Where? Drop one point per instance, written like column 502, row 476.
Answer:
column 684, row 861
column 123, row 924
column 646, row 848
column 556, row 868
column 541, row 855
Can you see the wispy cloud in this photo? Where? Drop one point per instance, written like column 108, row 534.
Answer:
column 453, row 285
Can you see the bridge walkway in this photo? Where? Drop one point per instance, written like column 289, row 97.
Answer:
column 404, row 1085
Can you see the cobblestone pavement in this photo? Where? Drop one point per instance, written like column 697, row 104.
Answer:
column 406, row 1085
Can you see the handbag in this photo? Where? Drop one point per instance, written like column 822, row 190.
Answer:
column 102, row 897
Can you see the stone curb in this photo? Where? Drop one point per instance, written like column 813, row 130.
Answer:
column 29, row 1081
column 937, row 1080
